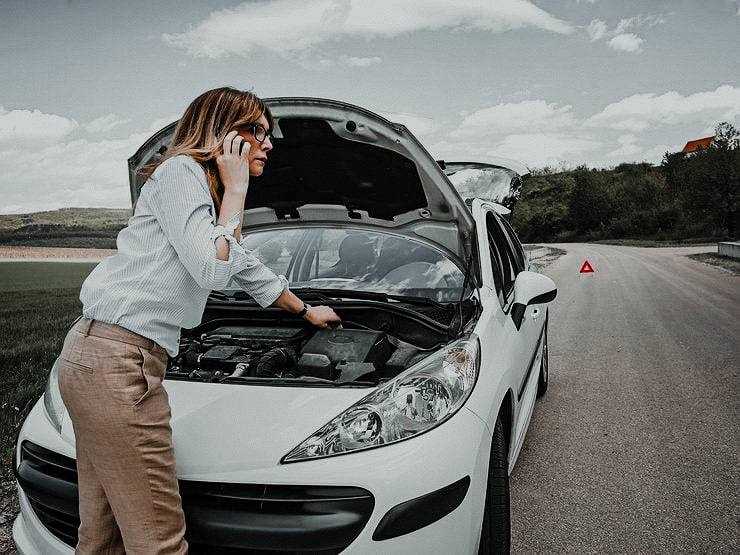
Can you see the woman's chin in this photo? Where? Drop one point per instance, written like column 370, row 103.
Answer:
column 256, row 171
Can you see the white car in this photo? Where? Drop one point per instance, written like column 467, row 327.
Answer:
column 395, row 433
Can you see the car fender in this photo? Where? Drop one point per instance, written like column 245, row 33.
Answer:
column 497, row 374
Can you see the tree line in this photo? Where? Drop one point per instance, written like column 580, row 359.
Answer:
column 685, row 197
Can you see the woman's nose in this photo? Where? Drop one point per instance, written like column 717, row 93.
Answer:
column 266, row 144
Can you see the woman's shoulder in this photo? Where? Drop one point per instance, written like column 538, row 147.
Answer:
column 174, row 166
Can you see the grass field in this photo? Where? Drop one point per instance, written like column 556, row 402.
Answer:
column 38, row 303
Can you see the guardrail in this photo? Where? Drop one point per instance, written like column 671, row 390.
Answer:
column 729, row 248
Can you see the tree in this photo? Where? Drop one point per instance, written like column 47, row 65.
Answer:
column 705, row 184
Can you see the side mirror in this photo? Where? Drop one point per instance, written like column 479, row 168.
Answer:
column 530, row 288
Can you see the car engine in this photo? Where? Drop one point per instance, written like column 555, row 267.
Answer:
column 228, row 350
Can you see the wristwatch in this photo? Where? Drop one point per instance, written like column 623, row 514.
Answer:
column 304, row 310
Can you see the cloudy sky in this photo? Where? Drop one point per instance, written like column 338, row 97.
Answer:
column 548, row 82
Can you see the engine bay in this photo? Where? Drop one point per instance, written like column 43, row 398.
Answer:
column 229, row 349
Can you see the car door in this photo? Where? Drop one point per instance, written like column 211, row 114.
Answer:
column 509, row 266
column 530, row 332
column 503, row 348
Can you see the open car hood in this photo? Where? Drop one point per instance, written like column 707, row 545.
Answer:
column 339, row 163
column 492, row 178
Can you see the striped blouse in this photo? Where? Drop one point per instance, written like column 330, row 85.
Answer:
column 166, row 266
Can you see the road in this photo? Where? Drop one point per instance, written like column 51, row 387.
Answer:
column 634, row 447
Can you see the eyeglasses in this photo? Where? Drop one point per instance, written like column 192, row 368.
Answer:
column 259, row 132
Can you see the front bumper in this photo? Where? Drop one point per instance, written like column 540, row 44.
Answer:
column 364, row 488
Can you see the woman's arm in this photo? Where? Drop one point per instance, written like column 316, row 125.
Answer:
column 232, row 212
column 179, row 198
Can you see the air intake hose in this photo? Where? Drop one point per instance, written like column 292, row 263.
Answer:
column 277, row 363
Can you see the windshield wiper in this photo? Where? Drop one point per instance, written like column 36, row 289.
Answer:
column 235, row 296
column 370, row 295
column 333, row 295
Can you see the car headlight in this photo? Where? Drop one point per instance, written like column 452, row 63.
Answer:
column 53, row 403
column 415, row 401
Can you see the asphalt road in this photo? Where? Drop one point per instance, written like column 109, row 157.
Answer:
column 634, row 447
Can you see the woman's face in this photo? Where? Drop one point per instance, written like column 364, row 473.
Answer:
column 258, row 152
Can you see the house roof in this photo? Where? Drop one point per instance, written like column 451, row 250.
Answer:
column 697, row 144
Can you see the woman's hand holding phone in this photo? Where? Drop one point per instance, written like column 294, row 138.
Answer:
column 233, row 163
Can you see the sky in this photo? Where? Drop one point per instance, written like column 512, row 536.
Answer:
column 554, row 83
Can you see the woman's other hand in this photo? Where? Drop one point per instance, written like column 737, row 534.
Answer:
column 323, row 317
column 233, row 163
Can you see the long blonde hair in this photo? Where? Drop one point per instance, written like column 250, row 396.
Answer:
column 202, row 128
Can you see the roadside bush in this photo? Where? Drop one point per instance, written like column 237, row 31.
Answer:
column 685, row 197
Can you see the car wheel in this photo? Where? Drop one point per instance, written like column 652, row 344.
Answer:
column 495, row 536
column 544, row 366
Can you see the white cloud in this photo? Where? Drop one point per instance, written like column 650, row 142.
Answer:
column 535, row 132
column 538, row 149
column 105, row 123
column 33, row 127
column 354, row 61
column 626, row 42
column 293, row 26
column 628, row 147
column 540, row 133
column 69, row 172
column 619, row 38
column 640, row 111
column 596, row 29
column 159, row 123
column 525, row 116
column 74, row 171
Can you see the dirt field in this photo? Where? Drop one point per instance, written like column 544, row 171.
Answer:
column 53, row 253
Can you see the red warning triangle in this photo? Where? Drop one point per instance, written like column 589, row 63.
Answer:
column 586, row 268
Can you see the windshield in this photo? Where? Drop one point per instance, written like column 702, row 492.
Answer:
column 340, row 258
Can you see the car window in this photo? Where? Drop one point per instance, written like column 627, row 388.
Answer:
column 364, row 260
column 275, row 250
column 496, row 266
column 501, row 243
column 327, row 253
column 516, row 245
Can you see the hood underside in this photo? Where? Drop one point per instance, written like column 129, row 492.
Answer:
column 334, row 162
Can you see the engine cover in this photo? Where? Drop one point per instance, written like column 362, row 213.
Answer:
column 350, row 345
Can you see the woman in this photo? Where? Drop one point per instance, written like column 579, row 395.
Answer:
column 170, row 256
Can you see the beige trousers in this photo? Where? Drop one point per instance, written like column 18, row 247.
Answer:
column 110, row 379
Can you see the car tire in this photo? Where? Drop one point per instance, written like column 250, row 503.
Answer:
column 544, row 366
column 495, row 534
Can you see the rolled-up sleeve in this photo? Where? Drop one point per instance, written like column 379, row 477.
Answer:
column 180, row 200
column 263, row 287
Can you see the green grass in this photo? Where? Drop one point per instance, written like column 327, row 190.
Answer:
column 38, row 303
column 33, row 274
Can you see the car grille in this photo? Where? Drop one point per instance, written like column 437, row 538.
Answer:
column 222, row 518
column 49, row 481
